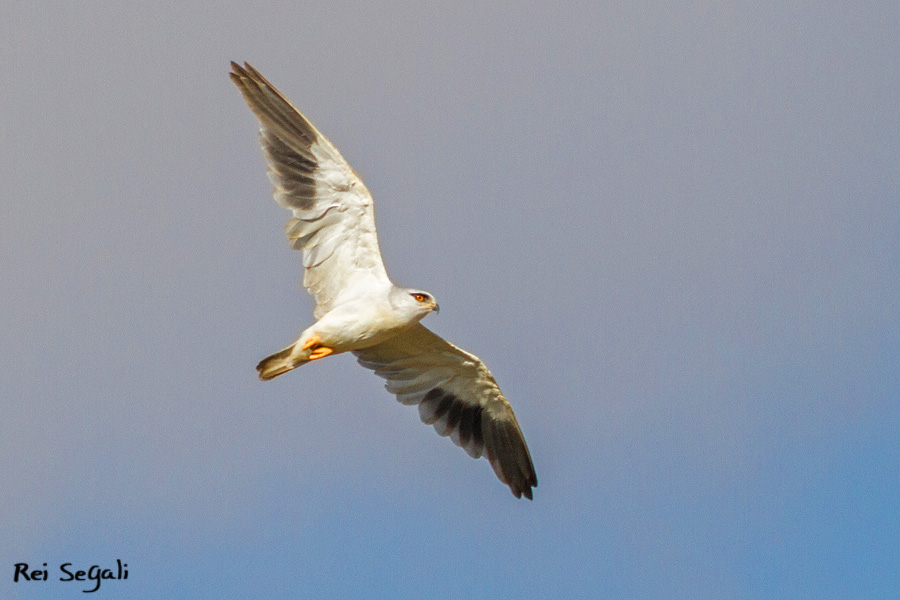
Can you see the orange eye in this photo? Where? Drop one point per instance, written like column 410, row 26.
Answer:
column 420, row 297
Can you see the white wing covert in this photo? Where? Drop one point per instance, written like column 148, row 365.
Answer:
column 334, row 223
column 457, row 394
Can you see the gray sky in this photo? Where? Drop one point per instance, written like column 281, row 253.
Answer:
column 670, row 229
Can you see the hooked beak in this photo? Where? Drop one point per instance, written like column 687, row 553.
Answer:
column 436, row 308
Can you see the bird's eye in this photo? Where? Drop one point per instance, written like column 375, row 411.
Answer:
column 420, row 297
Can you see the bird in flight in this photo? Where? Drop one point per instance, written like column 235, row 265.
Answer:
column 358, row 308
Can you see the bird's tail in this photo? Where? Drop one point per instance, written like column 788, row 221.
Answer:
column 282, row 361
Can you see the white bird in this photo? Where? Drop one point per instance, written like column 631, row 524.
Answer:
column 358, row 309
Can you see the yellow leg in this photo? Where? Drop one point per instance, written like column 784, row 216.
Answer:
column 320, row 352
column 311, row 342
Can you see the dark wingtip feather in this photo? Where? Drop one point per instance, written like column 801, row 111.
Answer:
column 510, row 457
column 238, row 72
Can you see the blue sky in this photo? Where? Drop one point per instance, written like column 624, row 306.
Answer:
column 672, row 230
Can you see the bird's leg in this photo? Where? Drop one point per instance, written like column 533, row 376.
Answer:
column 312, row 342
column 318, row 350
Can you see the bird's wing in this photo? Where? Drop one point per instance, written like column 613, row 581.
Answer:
column 333, row 222
column 457, row 394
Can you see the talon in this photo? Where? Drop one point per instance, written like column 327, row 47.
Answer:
column 315, row 340
column 320, row 352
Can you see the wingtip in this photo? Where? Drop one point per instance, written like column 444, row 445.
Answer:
column 245, row 71
column 527, row 489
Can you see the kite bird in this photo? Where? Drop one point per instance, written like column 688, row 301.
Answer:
column 358, row 309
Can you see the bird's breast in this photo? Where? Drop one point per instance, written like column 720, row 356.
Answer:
column 359, row 325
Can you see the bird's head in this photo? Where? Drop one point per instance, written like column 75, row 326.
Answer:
column 421, row 303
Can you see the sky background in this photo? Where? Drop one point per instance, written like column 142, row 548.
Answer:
column 671, row 229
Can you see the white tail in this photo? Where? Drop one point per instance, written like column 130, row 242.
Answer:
column 282, row 361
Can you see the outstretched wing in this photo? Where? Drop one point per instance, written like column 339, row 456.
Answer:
column 458, row 395
column 333, row 222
